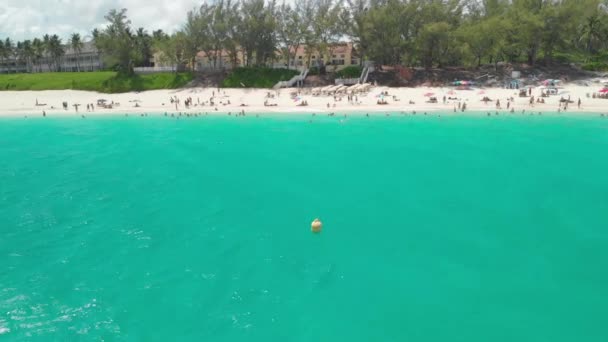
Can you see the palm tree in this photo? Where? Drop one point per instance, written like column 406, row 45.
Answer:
column 46, row 43
column 19, row 53
column 1, row 52
column 95, row 34
column 38, row 52
column 7, row 51
column 28, row 52
column 77, row 46
column 23, row 53
column 143, row 41
column 591, row 32
column 56, row 50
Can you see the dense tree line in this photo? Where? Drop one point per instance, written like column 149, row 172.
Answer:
column 409, row 32
column 468, row 32
column 49, row 50
column 33, row 52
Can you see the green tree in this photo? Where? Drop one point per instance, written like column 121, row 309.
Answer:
column 173, row 49
column 143, row 42
column 117, row 43
column 158, row 35
column 56, row 51
column 25, row 53
column 7, row 52
column 433, row 43
column 592, row 32
column 46, row 42
column 354, row 23
column 258, row 30
column 326, row 28
column 38, row 52
column 2, row 53
column 292, row 29
column 77, row 45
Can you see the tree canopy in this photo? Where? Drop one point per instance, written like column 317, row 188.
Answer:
column 429, row 33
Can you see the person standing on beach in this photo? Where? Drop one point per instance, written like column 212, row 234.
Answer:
column 579, row 103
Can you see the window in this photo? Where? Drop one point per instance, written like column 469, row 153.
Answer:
column 314, row 57
column 341, row 56
column 334, row 56
column 299, row 57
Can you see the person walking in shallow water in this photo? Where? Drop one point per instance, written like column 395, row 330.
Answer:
column 579, row 103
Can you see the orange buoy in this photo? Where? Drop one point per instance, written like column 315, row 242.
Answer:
column 316, row 226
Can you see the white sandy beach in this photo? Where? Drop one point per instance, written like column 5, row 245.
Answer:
column 18, row 103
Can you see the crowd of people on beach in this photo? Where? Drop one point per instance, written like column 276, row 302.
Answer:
column 459, row 102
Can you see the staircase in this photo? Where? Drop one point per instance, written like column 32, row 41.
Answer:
column 362, row 79
column 365, row 74
column 293, row 81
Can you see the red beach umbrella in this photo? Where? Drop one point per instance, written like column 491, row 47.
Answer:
column 603, row 91
column 429, row 94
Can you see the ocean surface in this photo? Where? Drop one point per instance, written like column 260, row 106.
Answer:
column 198, row 229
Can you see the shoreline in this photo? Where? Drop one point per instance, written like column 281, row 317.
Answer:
column 23, row 103
column 308, row 115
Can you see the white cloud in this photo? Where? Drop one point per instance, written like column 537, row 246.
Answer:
column 27, row 19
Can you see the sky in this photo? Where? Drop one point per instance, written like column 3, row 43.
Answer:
column 28, row 19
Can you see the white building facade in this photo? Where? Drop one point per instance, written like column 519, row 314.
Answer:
column 87, row 59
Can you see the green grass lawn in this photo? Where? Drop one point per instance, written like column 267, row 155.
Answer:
column 102, row 81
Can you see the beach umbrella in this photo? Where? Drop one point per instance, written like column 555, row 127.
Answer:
column 429, row 94
column 457, row 82
column 603, row 91
column 464, row 82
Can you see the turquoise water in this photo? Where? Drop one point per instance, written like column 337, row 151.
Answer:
column 435, row 229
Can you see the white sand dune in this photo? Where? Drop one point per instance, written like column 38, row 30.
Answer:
column 158, row 101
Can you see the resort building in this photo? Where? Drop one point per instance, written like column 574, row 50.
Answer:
column 221, row 60
column 338, row 56
column 87, row 59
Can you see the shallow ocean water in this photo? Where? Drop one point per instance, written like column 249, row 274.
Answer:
column 435, row 228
